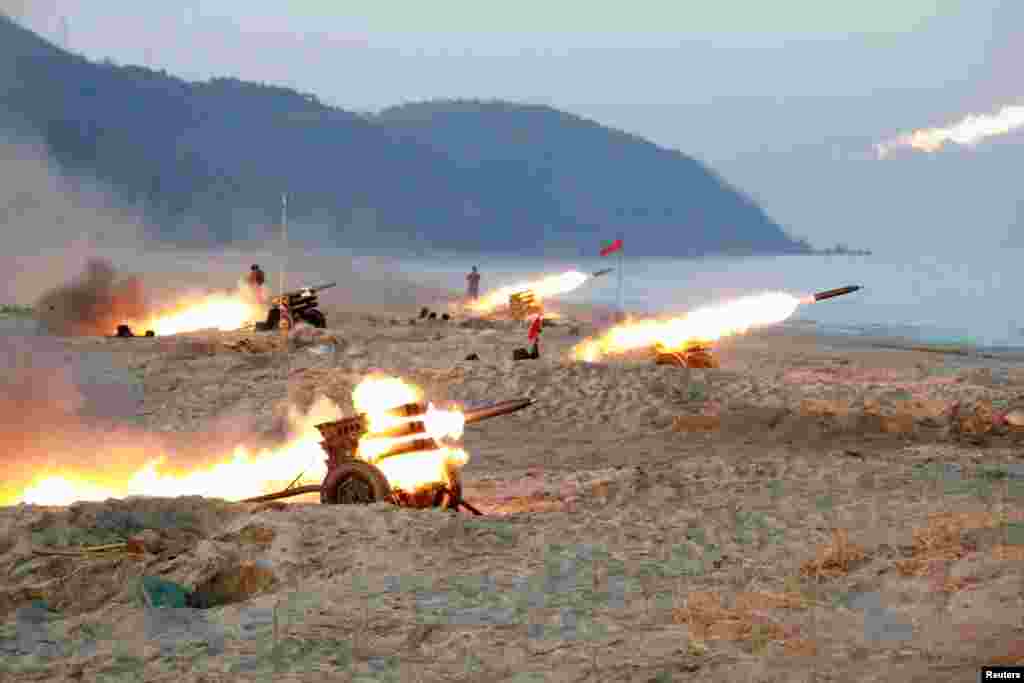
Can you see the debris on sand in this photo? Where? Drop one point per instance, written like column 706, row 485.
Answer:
column 696, row 423
column 232, row 584
column 159, row 593
column 942, row 542
column 833, row 559
column 253, row 345
column 708, row 619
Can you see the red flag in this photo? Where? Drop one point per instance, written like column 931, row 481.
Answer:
column 534, row 332
column 611, row 247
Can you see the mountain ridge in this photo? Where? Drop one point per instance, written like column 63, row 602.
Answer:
column 208, row 161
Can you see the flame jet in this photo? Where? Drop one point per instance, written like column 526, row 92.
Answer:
column 542, row 289
column 703, row 325
column 969, row 132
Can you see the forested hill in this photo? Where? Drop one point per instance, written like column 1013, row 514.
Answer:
column 209, row 161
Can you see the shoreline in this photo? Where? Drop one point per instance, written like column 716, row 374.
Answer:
column 601, row 316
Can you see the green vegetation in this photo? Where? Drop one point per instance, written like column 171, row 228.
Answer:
column 72, row 536
column 16, row 310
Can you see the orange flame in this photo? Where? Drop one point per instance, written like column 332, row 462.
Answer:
column 374, row 397
column 704, row 324
column 544, row 288
column 224, row 312
column 969, row 131
column 246, row 473
column 242, row 475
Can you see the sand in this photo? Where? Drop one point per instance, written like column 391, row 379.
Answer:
column 813, row 507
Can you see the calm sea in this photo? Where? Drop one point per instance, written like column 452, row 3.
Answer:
column 968, row 298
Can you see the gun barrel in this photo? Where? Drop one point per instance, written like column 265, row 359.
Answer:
column 322, row 287
column 497, row 409
column 603, row 271
column 829, row 293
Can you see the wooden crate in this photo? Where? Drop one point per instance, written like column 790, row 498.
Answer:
column 524, row 304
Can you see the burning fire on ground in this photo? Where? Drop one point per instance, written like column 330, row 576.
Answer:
column 97, row 301
column 244, row 472
column 223, row 312
column 704, row 325
column 969, row 132
column 542, row 289
column 248, row 473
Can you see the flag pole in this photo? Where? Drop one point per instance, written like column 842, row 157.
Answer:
column 622, row 312
column 284, row 236
column 284, row 259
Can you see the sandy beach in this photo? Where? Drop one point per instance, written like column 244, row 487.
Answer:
column 815, row 509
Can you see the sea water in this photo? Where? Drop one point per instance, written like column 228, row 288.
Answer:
column 962, row 298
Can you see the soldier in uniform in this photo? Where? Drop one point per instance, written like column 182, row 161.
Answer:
column 473, row 288
column 255, row 281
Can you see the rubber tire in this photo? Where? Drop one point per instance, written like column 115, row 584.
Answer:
column 273, row 318
column 673, row 359
column 368, row 474
column 449, row 501
column 315, row 318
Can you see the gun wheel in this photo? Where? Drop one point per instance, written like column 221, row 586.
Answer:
column 449, row 496
column 444, row 495
column 671, row 358
column 354, row 483
column 315, row 318
column 273, row 319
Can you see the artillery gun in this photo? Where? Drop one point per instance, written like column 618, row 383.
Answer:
column 299, row 305
column 351, row 479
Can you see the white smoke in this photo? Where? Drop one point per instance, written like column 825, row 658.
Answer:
column 968, row 132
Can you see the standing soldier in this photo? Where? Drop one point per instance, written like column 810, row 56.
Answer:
column 534, row 335
column 473, row 289
column 255, row 280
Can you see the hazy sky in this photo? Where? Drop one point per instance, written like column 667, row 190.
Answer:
column 783, row 98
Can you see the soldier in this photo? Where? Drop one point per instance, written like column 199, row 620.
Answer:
column 473, row 289
column 534, row 335
column 255, row 280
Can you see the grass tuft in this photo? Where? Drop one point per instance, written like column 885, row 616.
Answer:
column 941, row 540
column 833, row 559
column 16, row 310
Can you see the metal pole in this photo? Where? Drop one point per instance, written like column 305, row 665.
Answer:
column 622, row 311
column 285, row 326
column 284, row 236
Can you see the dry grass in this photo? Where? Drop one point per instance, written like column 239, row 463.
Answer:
column 696, row 423
column 941, row 541
column 1015, row 657
column 509, row 506
column 1013, row 553
column 763, row 600
column 833, row 559
column 707, row 619
column 800, row 647
column 954, row 585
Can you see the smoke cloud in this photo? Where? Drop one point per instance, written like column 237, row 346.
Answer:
column 88, row 264
column 54, row 226
column 42, row 428
column 968, row 132
column 15, row 9
column 94, row 304
column 54, row 422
